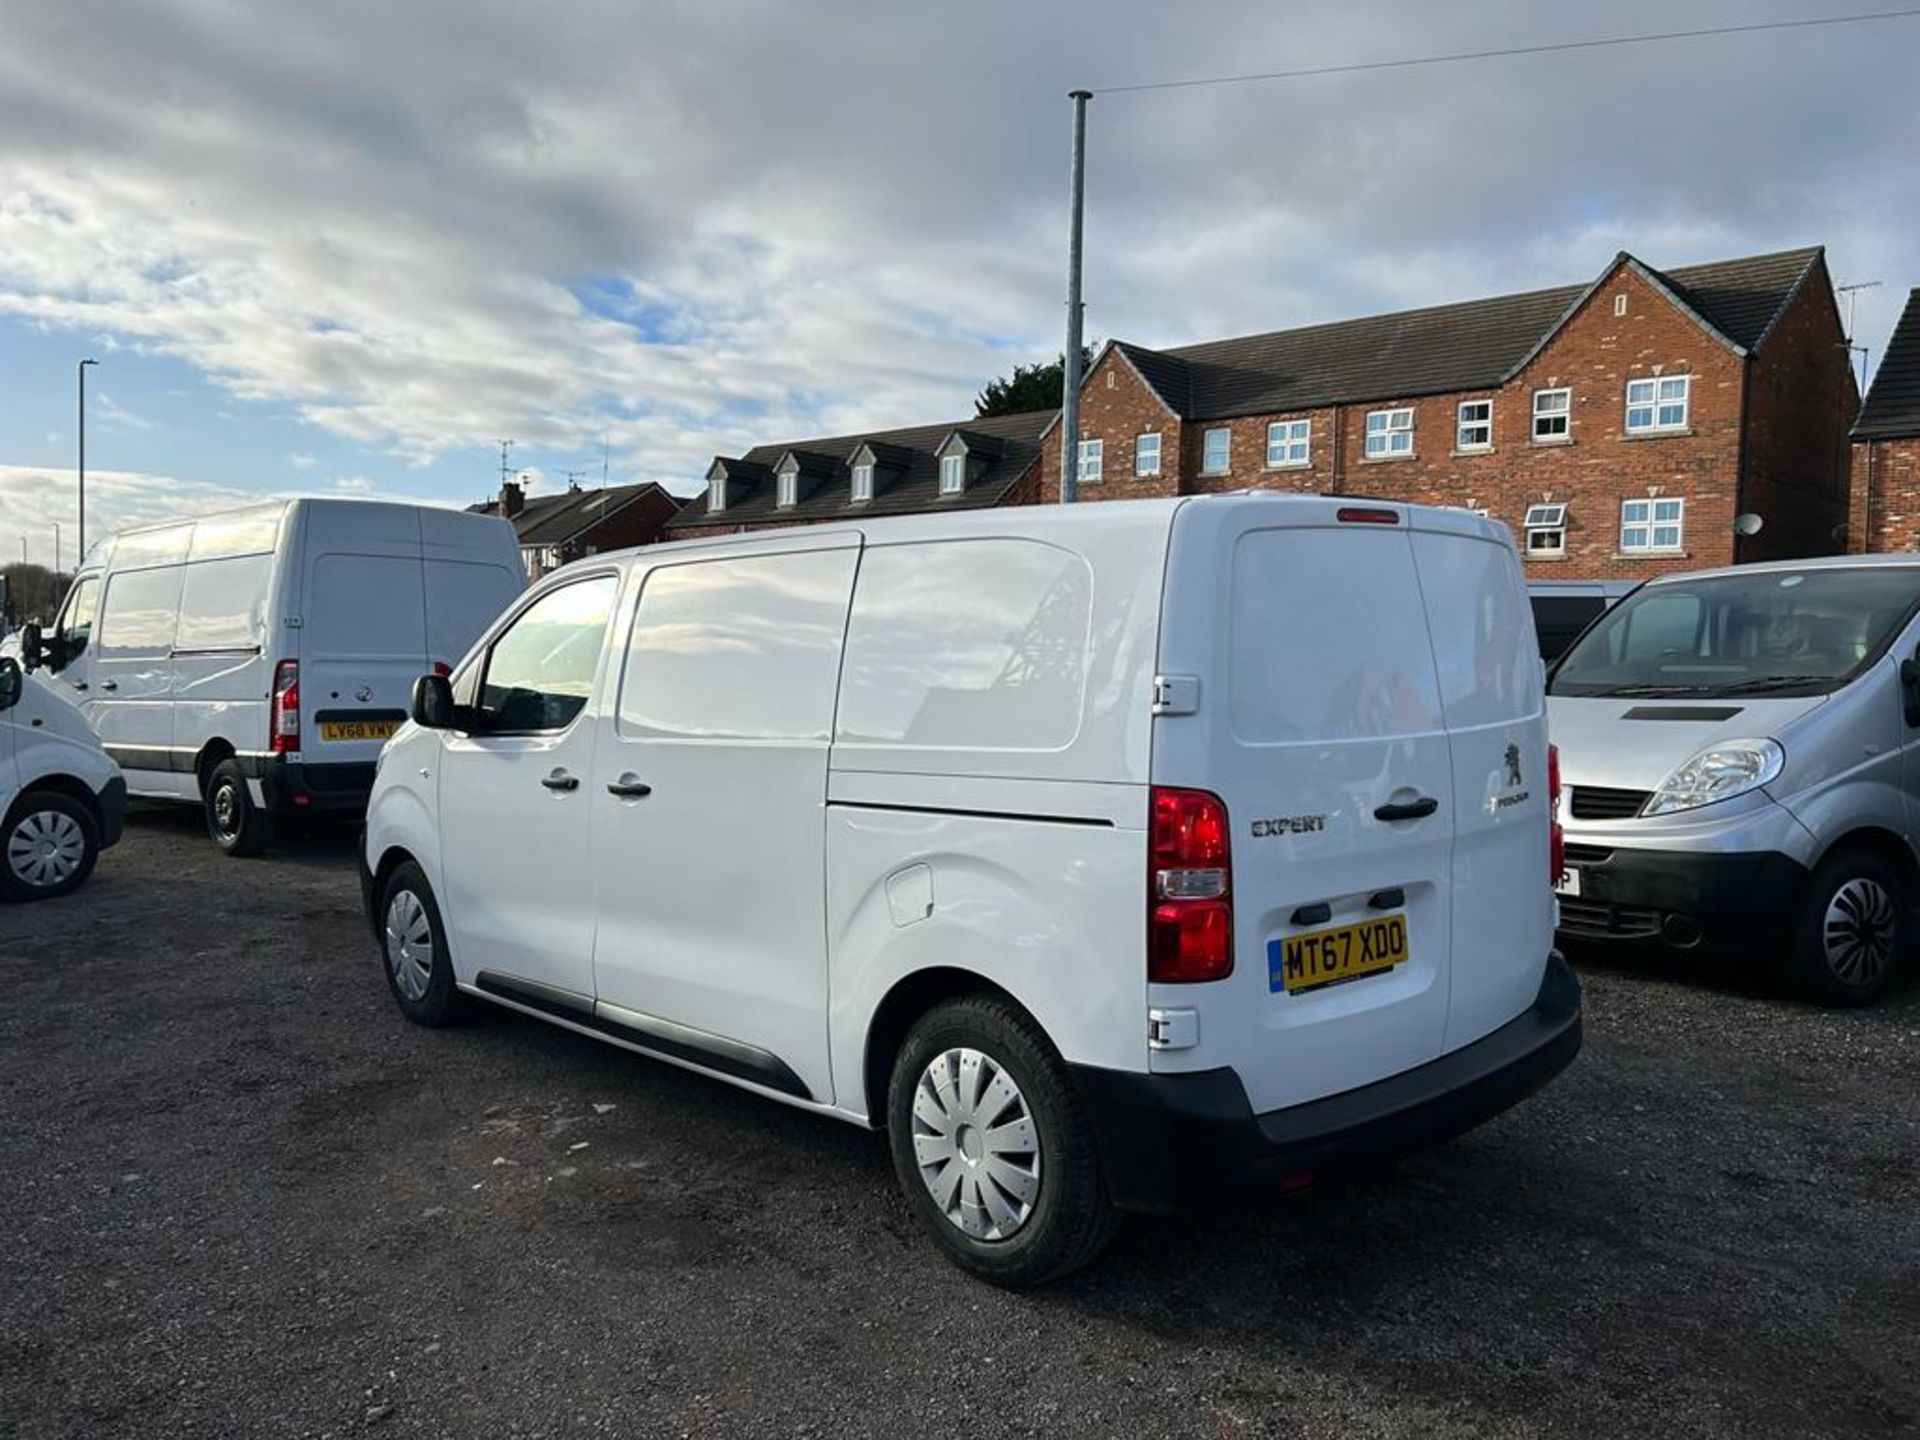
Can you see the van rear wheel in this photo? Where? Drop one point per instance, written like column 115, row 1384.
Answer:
column 237, row 825
column 991, row 1148
column 1854, row 930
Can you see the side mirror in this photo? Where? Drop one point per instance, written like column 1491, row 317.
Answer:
column 12, row 681
column 33, row 651
column 432, row 703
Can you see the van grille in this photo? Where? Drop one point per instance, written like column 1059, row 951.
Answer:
column 1597, row 918
column 1595, row 802
column 1578, row 854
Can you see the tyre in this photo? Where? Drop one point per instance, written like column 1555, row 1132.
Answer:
column 49, row 846
column 991, row 1148
column 413, row 950
column 1853, row 931
column 237, row 825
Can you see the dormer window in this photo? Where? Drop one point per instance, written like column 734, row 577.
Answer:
column 953, row 474
column 716, row 490
column 862, row 483
column 787, row 488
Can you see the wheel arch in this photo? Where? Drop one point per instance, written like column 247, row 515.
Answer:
column 1883, row 843
column 211, row 754
column 911, row 997
column 59, row 783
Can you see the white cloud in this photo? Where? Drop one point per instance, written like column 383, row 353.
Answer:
column 299, row 460
column 108, row 411
column 34, row 498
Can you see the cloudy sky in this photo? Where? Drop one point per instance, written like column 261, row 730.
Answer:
column 343, row 247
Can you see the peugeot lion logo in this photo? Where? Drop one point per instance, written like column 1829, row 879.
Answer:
column 1513, row 765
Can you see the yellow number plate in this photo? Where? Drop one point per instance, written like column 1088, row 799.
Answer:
column 358, row 729
column 1320, row 957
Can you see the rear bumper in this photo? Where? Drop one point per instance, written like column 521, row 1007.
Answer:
column 294, row 788
column 1168, row 1141
column 113, row 811
column 1682, row 898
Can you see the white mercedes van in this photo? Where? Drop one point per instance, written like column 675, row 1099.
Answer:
column 1106, row 856
column 62, row 801
column 254, row 662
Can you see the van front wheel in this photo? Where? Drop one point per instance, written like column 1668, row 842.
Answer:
column 990, row 1146
column 1854, row 930
column 237, row 825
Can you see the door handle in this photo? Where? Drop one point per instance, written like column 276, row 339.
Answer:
column 79, row 684
column 561, row 781
column 1408, row 810
column 629, row 787
column 104, row 685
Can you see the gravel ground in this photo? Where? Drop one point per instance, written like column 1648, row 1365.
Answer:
column 239, row 1195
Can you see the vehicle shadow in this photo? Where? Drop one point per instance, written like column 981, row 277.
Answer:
column 317, row 843
column 1745, row 974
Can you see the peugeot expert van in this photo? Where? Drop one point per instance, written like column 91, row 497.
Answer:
column 1106, row 856
column 1742, row 748
column 254, row 662
column 62, row 801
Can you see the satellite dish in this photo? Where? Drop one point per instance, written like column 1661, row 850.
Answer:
column 1747, row 524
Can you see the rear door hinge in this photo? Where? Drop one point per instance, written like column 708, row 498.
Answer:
column 1176, row 694
column 293, row 622
column 1173, row 1029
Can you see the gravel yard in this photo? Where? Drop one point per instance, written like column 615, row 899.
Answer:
column 239, row 1195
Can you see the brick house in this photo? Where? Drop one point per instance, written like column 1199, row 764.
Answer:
column 964, row 465
column 1886, row 446
column 1617, row 426
column 555, row 529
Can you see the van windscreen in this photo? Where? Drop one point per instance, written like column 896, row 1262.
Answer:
column 1773, row 632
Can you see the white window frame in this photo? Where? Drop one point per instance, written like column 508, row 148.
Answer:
column 862, row 484
column 1657, row 401
column 1142, row 469
column 1461, row 425
column 786, row 489
column 1226, row 450
column 953, row 473
column 1289, row 444
column 1394, row 432
column 1564, row 415
column 1091, row 461
column 1545, row 528
column 716, row 495
column 1642, row 523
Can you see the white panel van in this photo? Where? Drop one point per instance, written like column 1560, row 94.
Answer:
column 1108, row 857
column 254, row 662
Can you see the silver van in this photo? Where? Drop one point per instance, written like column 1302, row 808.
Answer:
column 1741, row 749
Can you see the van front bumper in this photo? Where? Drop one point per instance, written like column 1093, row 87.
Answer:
column 1170, row 1141
column 113, row 811
column 1682, row 898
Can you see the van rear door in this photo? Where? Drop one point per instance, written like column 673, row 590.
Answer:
column 1295, row 635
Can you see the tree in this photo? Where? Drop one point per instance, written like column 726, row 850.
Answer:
column 1029, row 387
column 33, row 592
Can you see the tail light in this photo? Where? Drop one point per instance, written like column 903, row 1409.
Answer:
column 284, row 737
column 1556, row 835
column 1189, row 888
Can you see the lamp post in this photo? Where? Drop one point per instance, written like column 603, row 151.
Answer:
column 82, row 372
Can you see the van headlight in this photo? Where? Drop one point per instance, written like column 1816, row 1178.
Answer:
column 1720, row 772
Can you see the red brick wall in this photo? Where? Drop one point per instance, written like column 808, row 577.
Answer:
column 1801, row 401
column 1117, row 406
column 1886, row 496
column 635, row 524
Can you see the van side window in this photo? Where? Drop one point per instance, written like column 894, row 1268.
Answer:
column 138, row 612
column 76, row 619
column 223, row 604
column 540, row 671
column 967, row 644
column 742, row 649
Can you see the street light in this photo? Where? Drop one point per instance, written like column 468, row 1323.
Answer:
column 82, row 371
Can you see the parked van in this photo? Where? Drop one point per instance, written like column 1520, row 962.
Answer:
column 62, row 800
column 1563, row 608
column 1106, row 856
column 1742, row 748
column 255, row 662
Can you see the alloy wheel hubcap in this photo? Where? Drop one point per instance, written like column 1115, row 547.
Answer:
column 976, row 1145
column 409, row 944
column 1859, row 931
column 45, row 849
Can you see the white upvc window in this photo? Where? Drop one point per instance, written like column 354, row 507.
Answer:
column 788, row 489
column 1216, row 451
column 1289, row 443
column 1659, row 403
column 1473, row 427
column 862, row 484
column 1146, row 453
column 1650, row 525
column 1552, row 412
column 1546, row 529
column 1389, row 433
column 1092, row 454
column 953, row 474
column 717, row 495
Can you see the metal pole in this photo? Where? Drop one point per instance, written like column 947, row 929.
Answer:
column 1070, row 378
column 82, row 368
column 56, row 549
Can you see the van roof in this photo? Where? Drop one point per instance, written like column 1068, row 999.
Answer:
column 1820, row 562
